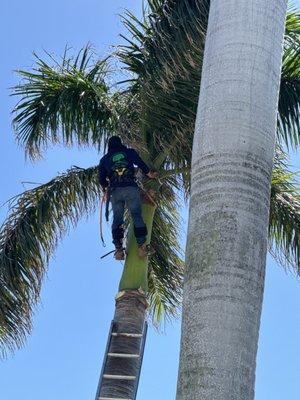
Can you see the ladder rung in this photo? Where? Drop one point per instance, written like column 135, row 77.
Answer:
column 133, row 335
column 111, row 398
column 119, row 377
column 123, row 355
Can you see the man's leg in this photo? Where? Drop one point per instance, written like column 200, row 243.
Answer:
column 133, row 202
column 118, row 205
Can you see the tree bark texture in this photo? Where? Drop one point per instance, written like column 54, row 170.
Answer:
column 229, row 209
column 130, row 313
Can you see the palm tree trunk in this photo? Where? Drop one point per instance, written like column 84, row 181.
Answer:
column 135, row 272
column 231, row 173
column 130, row 315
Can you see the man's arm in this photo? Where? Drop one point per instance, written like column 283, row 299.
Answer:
column 102, row 174
column 136, row 159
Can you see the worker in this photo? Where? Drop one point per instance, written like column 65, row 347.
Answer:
column 118, row 182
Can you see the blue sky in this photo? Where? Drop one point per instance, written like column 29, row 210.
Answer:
column 63, row 356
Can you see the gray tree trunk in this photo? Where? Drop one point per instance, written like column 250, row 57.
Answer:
column 228, row 222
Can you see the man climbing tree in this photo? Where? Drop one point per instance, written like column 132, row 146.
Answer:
column 118, row 181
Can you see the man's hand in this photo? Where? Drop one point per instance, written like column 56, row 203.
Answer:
column 152, row 174
column 105, row 195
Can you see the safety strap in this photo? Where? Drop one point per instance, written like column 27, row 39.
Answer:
column 107, row 204
column 101, row 221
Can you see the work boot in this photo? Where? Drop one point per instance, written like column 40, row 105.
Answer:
column 143, row 250
column 119, row 254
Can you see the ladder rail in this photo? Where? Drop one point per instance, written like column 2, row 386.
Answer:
column 104, row 361
column 142, row 349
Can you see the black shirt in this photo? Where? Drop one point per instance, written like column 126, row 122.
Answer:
column 132, row 159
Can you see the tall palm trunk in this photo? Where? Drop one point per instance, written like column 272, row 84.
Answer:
column 231, row 171
column 130, row 315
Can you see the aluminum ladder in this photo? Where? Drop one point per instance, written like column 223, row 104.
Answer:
column 106, row 376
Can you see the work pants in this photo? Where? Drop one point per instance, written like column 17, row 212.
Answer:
column 129, row 196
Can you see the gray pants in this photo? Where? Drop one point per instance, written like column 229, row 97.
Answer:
column 129, row 196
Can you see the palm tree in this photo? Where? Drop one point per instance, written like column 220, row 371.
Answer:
column 177, row 73
column 232, row 166
column 154, row 111
column 73, row 104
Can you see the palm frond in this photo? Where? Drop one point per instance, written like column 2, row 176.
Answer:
column 71, row 103
column 289, row 95
column 284, row 224
column 165, row 51
column 64, row 101
column 292, row 27
column 38, row 219
column 166, row 265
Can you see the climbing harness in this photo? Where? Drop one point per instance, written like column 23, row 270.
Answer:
column 120, row 170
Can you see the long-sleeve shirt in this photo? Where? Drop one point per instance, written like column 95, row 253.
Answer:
column 106, row 164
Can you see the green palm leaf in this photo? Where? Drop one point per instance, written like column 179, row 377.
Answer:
column 167, row 77
column 289, row 98
column 166, row 265
column 68, row 102
column 289, row 95
column 38, row 219
column 292, row 28
column 284, row 225
column 71, row 103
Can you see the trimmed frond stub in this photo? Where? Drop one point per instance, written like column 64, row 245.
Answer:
column 66, row 101
column 284, row 225
column 38, row 219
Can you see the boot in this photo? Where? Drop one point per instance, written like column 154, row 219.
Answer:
column 143, row 250
column 119, row 254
